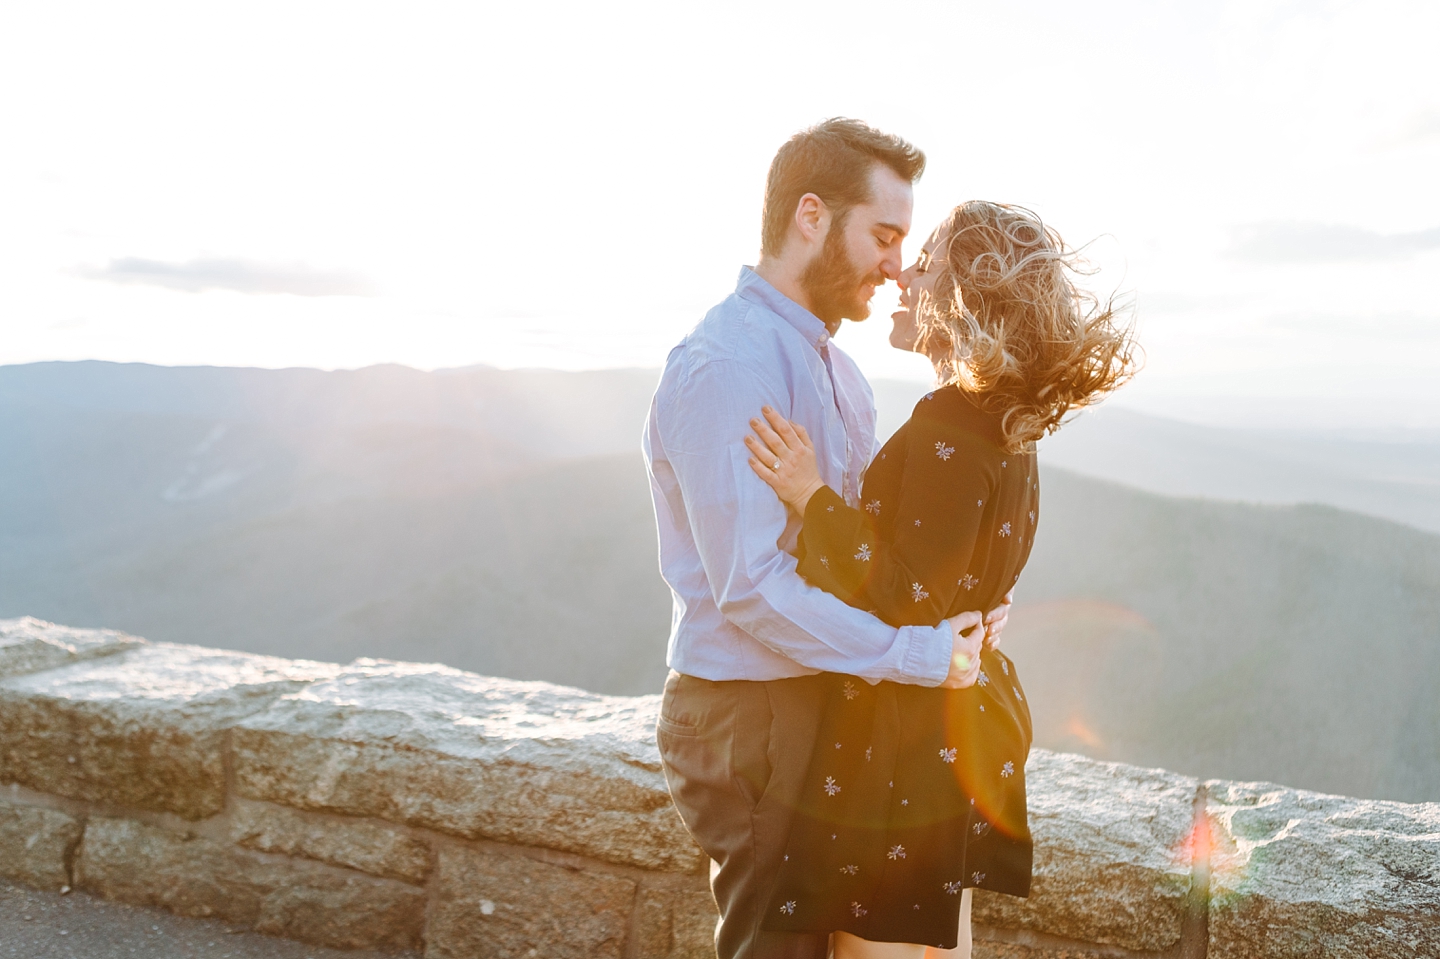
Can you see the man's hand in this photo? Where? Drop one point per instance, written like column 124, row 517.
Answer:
column 969, row 635
column 996, row 619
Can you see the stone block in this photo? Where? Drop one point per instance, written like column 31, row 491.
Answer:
column 1111, row 860
column 428, row 746
column 500, row 906
column 34, row 844
column 132, row 862
column 1297, row 873
column 377, row 848
column 675, row 921
column 29, row 645
column 991, row 949
column 142, row 728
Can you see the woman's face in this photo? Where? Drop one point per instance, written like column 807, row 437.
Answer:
column 918, row 278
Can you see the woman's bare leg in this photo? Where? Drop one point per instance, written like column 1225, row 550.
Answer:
column 962, row 942
column 846, row 946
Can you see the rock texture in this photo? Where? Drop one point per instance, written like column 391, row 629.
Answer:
column 142, row 728
column 35, row 844
column 392, row 804
column 1321, row 875
column 132, row 862
column 1111, row 860
column 433, row 747
column 374, row 847
column 28, row 645
column 674, row 921
column 490, row 906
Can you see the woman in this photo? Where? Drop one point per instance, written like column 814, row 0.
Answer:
column 914, row 796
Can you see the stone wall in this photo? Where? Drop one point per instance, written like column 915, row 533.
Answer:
column 419, row 807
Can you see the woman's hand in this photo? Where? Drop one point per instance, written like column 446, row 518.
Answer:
column 784, row 457
column 996, row 619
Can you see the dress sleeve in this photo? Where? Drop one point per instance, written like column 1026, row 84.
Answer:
column 948, row 478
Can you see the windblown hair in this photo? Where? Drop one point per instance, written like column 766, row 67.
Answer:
column 1022, row 339
column 832, row 160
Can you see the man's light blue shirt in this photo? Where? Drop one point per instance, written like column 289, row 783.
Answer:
column 726, row 541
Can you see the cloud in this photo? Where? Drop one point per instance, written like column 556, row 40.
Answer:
column 242, row 276
column 1296, row 242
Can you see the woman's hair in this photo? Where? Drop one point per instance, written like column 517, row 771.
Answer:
column 1022, row 340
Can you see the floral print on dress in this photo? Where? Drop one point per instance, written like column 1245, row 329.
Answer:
column 825, row 561
column 788, row 908
column 974, row 847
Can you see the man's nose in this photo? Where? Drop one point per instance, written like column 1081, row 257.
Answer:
column 890, row 266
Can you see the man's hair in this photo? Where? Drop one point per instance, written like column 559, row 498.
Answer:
column 832, row 160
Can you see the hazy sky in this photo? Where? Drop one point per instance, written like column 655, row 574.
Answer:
column 574, row 185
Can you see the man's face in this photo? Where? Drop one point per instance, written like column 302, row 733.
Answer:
column 861, row 251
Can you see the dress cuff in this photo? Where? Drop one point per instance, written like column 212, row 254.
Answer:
column 820, row 511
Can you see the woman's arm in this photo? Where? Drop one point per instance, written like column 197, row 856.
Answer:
column 920, row 575
column 948, row 478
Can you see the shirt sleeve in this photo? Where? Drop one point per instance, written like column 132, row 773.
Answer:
column 948, row 478
column 738, row 525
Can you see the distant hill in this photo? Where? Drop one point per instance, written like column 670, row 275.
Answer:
column 1394, row 474
column 482, row 518
column 1296, row 644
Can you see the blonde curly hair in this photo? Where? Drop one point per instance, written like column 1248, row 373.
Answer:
column 1010, row 327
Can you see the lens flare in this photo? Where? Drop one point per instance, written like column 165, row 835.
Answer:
column 1075, row 726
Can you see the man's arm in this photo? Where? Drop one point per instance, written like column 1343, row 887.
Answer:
column 738, row 522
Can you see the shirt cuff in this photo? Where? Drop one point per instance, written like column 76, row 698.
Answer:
column 926, row 661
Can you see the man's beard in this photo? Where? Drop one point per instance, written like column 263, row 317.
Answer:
column 832, row 283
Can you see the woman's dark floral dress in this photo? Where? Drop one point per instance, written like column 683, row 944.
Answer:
column 914, row 794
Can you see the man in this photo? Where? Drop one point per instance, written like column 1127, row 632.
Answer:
column 741, row 705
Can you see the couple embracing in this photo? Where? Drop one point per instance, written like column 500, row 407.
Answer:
column 839, row 730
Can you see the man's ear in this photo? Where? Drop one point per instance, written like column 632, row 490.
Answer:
column 812, row 219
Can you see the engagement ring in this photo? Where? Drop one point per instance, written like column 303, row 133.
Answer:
column 776, row 466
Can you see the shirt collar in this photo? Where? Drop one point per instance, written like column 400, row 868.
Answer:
column 752, row 287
